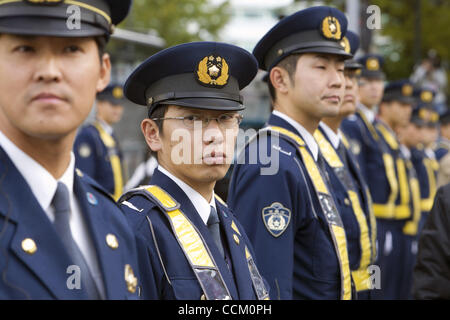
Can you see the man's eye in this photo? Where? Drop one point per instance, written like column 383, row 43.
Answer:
column 24, row 48
column 72, row 49
column 193, row 118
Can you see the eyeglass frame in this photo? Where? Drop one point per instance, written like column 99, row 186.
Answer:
column 204, row 125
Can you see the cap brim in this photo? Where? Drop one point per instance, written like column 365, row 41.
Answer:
column 205, row 103
column 56, row 27
column 372, row 74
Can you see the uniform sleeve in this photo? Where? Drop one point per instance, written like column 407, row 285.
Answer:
column 85, row 150
column 354, row 133
column 152, row 275
column 432, row 270
column 252, row 196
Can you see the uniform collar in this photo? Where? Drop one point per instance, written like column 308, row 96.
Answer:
column 109, row 130
column 307, row 137
column 405, row 151
column 42, row 183
column 370, row 115
column 335, row 138
column 201, row 205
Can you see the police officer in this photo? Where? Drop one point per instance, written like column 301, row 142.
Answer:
column 349, row 187
column 397, row 221
column 62, row 237
column 279, row 187
column 96, row 147
column 190, row 244
column 359, row 127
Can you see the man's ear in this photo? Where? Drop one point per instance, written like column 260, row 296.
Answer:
column 152, row 134
column 105, row 73
column 280, row 80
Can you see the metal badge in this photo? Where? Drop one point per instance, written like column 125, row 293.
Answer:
column 212, row 71
column 111, row 241
column 331, row 28
column 29, row 246
column 130, row 279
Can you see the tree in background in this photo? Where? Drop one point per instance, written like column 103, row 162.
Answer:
column 399, row 22
column 179, row 21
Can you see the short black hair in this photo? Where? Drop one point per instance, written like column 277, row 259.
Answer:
column 290, row 65
column 101, row 45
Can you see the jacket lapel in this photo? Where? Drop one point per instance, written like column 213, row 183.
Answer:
column 95, row 213
column 50, row 261
column 236, row 244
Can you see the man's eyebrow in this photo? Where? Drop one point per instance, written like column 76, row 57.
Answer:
column 25, row 37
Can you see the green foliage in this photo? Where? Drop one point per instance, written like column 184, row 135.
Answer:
column 179, row 21
column 398, row 22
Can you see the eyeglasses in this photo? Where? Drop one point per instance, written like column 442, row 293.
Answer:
column 226, row 120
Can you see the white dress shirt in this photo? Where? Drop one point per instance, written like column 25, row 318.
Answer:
column 200, row 204
column 370, row 115
column 335, row 138
column 43, row 185
column 307, row 137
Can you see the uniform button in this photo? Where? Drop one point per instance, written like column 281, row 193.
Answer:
column 111, row 241
column 29, row 246
column 347, row 202
column 203, row 297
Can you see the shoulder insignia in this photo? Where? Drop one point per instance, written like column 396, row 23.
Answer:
column 155, row 194
column 276, row 218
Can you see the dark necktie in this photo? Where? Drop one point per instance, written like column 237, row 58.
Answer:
column 342, row 153
column 61, row 204
column 214, row 229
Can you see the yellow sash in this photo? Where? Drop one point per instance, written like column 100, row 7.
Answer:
column 198, row 253
column 360, row 276
column 373, row 221
column 430, row 165
column 109, row 142
column 411, row 226
column 330, row 212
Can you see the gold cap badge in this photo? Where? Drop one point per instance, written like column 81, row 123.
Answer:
column 130, row 279
column 117, row 92
column 345, row 44
column 29, row 246
column 426, row 96
column 212, row 71
column 331, row 28
column 372, row 64
column 407, row 90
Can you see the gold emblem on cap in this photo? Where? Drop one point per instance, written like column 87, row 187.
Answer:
column 117, row 93
column 426, row 96
column 331, row 28
column 407, row 90
column 111, row 241
column 372, row 64
column 29, row 246
column 213, row 71
column 130, row 279
column 345, row 44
